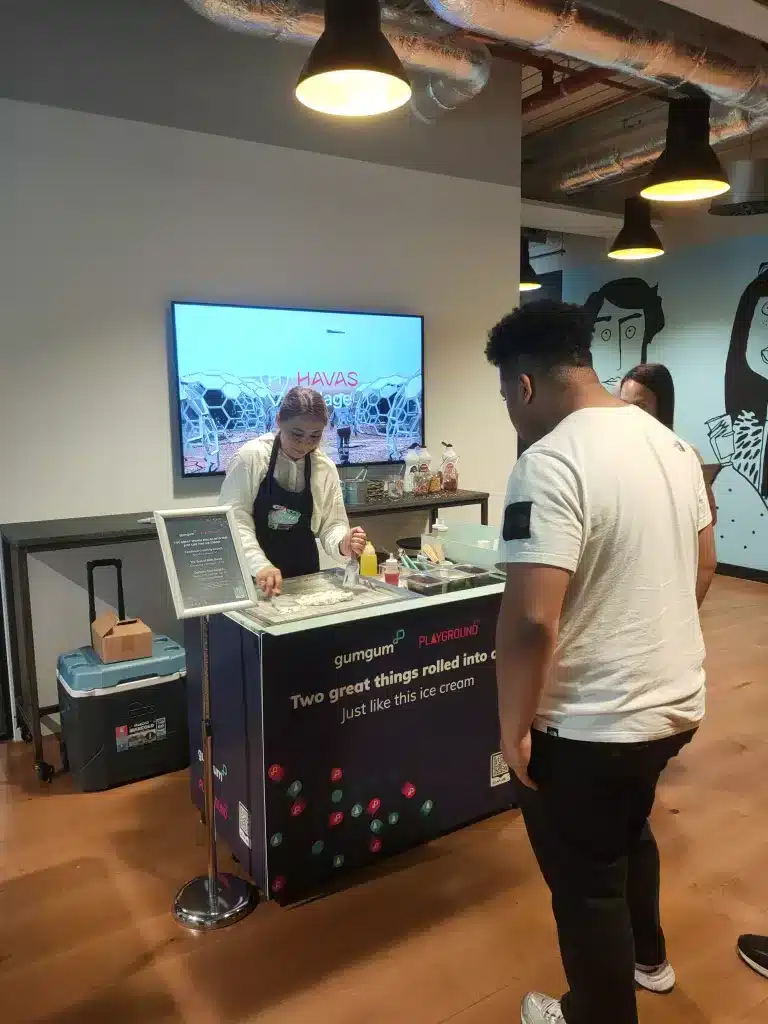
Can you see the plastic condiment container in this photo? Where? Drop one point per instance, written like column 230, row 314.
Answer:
column 449, row 468
column 392, row 572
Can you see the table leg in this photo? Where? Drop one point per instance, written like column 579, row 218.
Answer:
column 8, row 662
column 29, row 705
column 484, row 512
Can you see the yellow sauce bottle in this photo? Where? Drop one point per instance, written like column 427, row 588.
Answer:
column 369, row 564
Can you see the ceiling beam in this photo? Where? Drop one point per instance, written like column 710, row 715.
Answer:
column 568, row 220
column 745, row 16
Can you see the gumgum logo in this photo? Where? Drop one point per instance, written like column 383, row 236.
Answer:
column 367, row 655
column 444, row 636
column 220, row 773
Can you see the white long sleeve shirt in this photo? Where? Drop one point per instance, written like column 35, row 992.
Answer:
column 245, row 473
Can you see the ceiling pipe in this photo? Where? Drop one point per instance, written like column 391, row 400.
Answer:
column 456, row 70
column 626, row 163
column 574, row 29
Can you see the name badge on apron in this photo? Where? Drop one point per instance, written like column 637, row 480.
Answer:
column 282, row 518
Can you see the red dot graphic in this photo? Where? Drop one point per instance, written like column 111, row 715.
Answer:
column 373, row 805
column 335, row 819
column 297, row 807
column 408, row 790
column 276, row 772
column 279, row 884
column 337, row 775
column 375, row 845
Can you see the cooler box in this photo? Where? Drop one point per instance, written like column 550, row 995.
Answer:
column 123, row 721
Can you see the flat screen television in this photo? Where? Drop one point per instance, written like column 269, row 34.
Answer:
column 233, row 364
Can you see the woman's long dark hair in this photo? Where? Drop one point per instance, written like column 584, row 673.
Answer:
column 657, row 378
column 746, row 390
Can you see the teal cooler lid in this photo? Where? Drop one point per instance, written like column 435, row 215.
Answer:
column 82, row 670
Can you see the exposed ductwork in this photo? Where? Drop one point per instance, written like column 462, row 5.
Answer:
column 456, row 70
column 574, row 29
column 619, row 164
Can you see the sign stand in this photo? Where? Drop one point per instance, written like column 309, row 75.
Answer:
column 208, row 574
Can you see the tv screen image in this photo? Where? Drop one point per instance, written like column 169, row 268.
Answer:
column 234, row 364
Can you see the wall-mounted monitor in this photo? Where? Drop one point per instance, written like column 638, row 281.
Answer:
column 233, row 364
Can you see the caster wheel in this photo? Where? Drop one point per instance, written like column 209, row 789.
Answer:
column 44, row 771
column 26, row 733
column 235, row 859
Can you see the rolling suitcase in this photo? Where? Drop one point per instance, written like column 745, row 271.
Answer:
column 123, row 721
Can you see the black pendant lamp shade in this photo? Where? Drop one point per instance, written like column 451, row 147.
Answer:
column 353, row 70
column 528, row 280
column 689, row 168
column 637, row 239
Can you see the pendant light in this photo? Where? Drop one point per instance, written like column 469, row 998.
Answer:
column 353, row 70
column 637, row 239
column 528, row 280
column 689, row 168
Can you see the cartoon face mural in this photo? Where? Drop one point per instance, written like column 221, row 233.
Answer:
column 739, row 438
column 628, row 315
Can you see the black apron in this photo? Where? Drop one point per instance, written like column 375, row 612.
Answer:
column 283, row 521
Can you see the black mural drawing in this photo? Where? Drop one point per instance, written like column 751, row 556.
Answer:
column 628, row 315
column 739, row 437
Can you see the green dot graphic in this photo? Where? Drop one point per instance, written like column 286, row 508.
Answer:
column 276, row 839
column 294, row 789
column 318, row 847
column 338, row 860
column 377, row 825
column 357, row 810
column 426, row 807
column 393, row 818
column 337, row 796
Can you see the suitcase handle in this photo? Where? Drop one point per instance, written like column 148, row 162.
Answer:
column 117, row 565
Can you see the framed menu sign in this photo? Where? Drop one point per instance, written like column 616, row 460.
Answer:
column 204, row 560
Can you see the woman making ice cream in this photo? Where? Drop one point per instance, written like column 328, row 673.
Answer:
column 286, row 494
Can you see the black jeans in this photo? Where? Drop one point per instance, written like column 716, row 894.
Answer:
column 588, row 826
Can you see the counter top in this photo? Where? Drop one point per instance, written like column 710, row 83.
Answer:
column 359, row 614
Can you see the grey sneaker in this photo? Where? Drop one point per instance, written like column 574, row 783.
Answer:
column 540, row 1009
column 657, row 979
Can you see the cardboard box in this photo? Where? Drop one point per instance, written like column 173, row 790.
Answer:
column 114, row 640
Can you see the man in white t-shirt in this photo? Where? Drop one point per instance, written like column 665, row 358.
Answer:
column 608, row 547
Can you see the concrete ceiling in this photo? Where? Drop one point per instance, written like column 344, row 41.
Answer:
column 160, row 62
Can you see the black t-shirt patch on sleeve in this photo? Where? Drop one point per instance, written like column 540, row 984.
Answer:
column 517, row 521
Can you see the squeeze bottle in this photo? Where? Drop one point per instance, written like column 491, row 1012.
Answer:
column 369, row 564
column 392, row 571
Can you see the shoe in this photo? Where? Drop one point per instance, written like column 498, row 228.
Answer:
column 753, row 950
column 540, row 1009
column 659, row 979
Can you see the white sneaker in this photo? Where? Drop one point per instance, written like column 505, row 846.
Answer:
column 540, row 1009
column 660, row 979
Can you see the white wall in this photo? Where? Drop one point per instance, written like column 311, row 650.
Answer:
column 104, row 221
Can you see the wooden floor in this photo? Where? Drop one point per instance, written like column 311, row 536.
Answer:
column 457, row 931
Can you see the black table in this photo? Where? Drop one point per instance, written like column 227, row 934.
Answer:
column 20, row 540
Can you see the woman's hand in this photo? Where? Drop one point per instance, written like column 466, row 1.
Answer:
column 354, row 543
column 270, row 581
